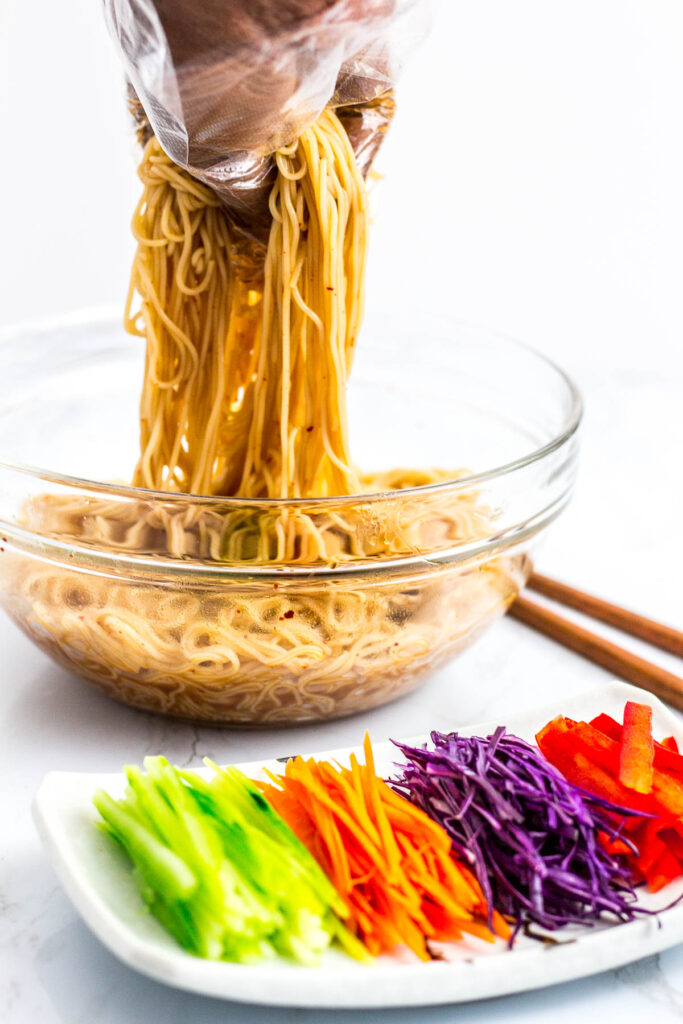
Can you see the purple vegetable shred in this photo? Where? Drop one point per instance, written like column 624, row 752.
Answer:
column 530, row 836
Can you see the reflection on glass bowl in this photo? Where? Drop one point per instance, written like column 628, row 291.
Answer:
column 225, row 610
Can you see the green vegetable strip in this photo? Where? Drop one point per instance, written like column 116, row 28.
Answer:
column 220, row 869
column 231, row 789
column 158, row 865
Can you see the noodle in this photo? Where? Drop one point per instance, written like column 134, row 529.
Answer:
column 244, row 391
column 200, row 322
column 245, row 395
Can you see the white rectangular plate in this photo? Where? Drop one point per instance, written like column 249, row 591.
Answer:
column 96, row 877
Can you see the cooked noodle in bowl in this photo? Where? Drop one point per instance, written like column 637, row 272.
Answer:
column 254, row 573
column 330, row 642
column 259, row 654
column 168, row 604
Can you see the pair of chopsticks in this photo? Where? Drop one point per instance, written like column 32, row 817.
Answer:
column 619, row 660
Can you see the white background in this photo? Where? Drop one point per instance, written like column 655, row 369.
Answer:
column 534, row 184
column 534, row 172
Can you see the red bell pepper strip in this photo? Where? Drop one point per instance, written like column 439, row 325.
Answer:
column 637, row 748
column 596, row 746
column 650, row 844
column 667, row 792
column 589, row 755
column 663, row 871
column 589, row 759
column 666, row 752
column 604, row 752
column 608, row 725
column 556, row 742
column 666, row 795
column 673, row 840
column 614, row 846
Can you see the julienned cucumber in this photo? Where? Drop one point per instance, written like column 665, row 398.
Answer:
column 220, row 869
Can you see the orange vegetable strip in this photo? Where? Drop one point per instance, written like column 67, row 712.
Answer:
column 352, row 787
column 356, row 819
column 413, row 819
column 637, row 750
column 455, row 882
column 320, row 793
column 373, row 788
column 391, row 862
column 387, row 937
column 463, row 885
column 433, row 886
column 368, row 789
column 337, row 854
column 500, row 925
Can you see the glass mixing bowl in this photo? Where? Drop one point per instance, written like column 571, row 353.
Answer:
column 223, row 610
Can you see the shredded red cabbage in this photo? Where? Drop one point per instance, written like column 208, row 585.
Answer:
column 531, row 837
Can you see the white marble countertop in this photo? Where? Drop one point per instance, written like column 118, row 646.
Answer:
column 54, row 971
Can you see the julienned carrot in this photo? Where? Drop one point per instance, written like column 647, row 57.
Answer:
column 637, row 749
column 392, row 864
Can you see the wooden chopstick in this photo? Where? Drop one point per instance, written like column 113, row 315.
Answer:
column 624, row 663
column 654, row 633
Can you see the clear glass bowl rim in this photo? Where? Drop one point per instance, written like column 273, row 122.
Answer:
column 100, row 561
column 568, row 429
